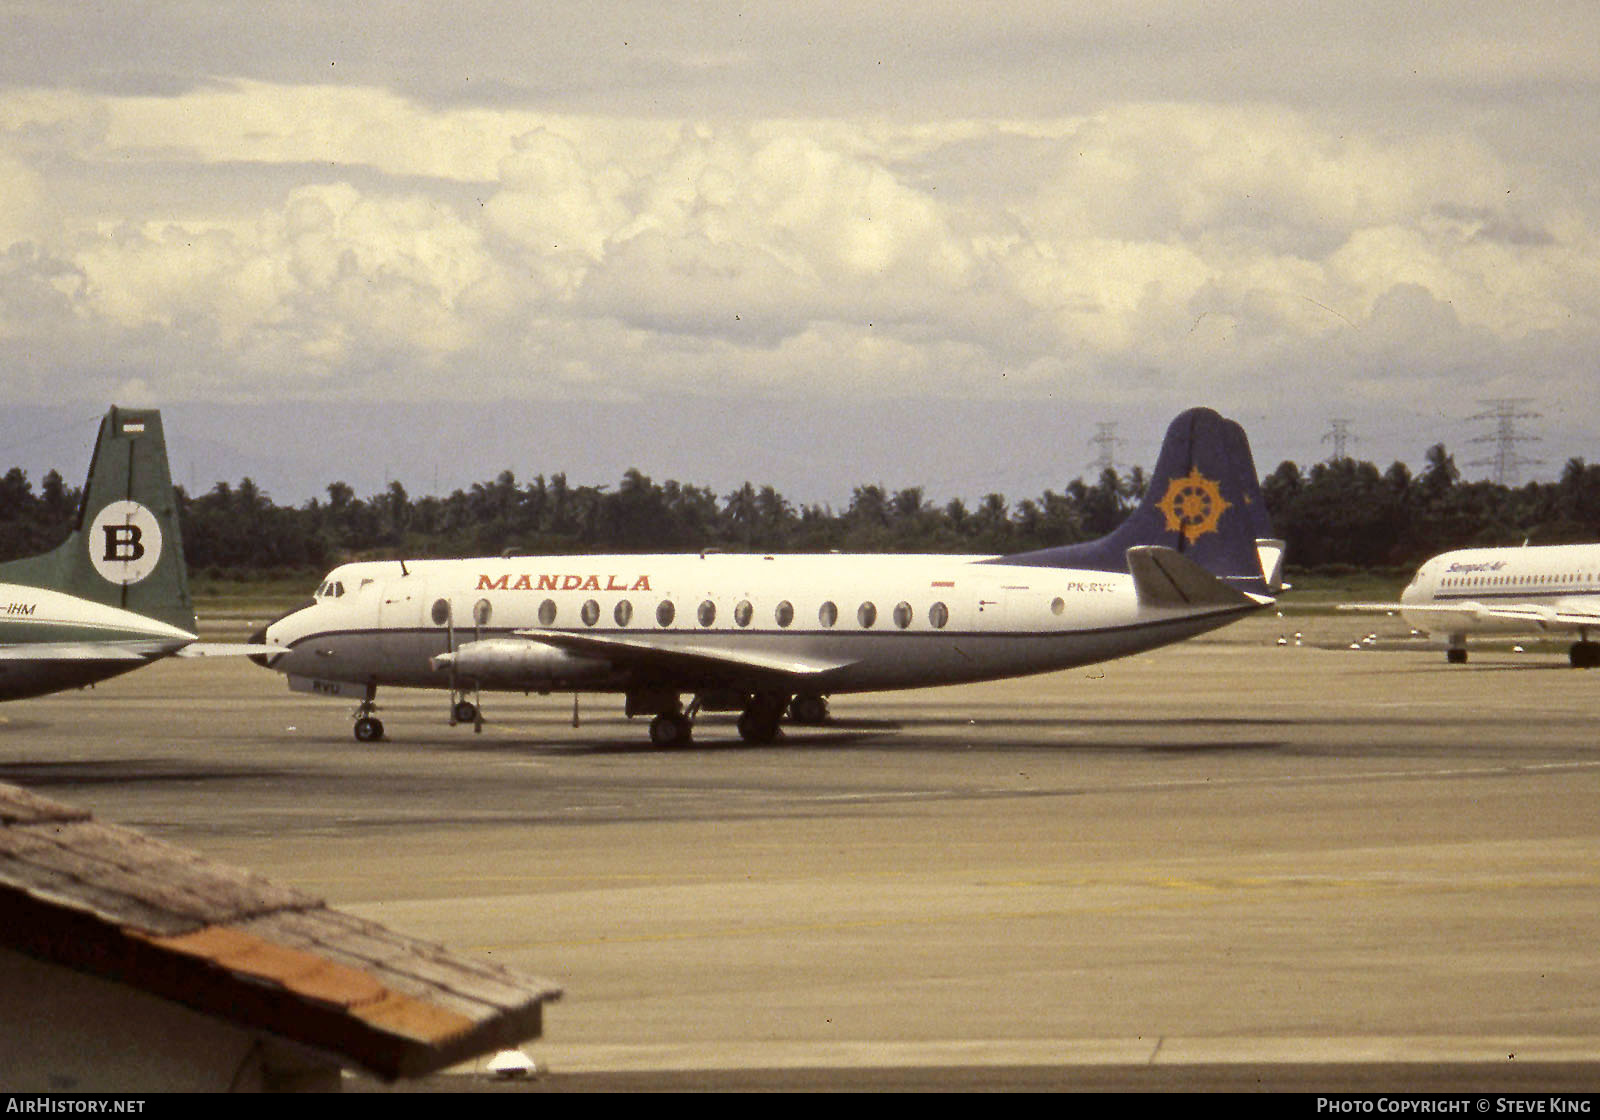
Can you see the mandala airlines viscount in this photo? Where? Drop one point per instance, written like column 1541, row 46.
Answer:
column 773, row 637
column 114, row 596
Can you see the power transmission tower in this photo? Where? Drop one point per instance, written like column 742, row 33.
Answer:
column 1341, row 437
column 1106, row 440
column 1507, row 463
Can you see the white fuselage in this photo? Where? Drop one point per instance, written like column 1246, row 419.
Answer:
column 42, row 614
column 850, row 622
column 50, row 640
column 1506, row 590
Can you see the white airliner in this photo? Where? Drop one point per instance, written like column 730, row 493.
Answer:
column 1529, row 590
column 767, row 636
column 114, row 596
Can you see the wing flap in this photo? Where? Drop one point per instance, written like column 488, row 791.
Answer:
column 699, row 655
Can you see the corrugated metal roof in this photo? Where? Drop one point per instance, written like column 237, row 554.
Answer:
column 230, row 943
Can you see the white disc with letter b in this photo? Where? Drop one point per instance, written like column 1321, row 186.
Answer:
column 125, row 542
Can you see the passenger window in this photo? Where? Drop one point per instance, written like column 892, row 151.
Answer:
column 441, row 612
column 624, row 612
column 707, row 613
column 902, row 615
column 481, row 610
column 743, row 612
column 1057, row 605
column 828, row 614
column 866, row 614
column 665, row 612
column 785, row 613
column 547, row 612
column 938, row 616
column 590, row 613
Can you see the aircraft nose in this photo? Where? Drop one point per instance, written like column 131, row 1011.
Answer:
column 259, row 638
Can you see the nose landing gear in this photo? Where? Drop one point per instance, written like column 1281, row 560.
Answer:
column 463, row 710
column 369, row 728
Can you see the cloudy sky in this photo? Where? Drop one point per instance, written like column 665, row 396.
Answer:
column 809, row 244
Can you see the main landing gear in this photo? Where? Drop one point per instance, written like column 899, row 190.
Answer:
column 809, row 711
column 760, row 715
column 1584, row 654
column 758, row 723
column 672, row 729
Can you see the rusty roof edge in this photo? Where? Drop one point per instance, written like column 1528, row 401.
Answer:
column 86, row 944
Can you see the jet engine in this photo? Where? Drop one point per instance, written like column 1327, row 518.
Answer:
column 520, row 663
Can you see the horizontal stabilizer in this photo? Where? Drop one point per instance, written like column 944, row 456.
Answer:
column 231, row 649
column 1165, row 578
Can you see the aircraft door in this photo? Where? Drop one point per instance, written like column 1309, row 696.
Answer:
column 1001, row 609
column 407, row 627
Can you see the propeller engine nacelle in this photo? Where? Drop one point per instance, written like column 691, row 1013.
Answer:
column 520, row 663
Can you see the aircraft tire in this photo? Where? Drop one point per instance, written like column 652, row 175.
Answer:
column 1585, row 655
column 465, row 711
column 1456, row 656
column 369, row 729
column 671, row 730
column 809, row 711
column 758, row 727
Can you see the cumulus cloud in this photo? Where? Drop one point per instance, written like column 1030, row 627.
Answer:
column 1146, row 247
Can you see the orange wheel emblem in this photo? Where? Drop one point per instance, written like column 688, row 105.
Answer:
column 1193, row 505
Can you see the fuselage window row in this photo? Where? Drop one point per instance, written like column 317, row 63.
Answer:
column 706, row 614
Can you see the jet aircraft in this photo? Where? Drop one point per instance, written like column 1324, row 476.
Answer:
column 1529, row 590
column 768, row 636
column 114, row 596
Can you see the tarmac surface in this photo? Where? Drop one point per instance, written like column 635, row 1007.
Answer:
column 1226, row 865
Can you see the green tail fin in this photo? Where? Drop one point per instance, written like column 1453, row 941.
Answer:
column 125, row 550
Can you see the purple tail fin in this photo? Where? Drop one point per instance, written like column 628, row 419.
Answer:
column 1204, row 501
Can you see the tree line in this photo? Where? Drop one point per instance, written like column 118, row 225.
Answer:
column 1337, row 514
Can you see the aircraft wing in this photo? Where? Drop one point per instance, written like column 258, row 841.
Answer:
column 1546, row 617
column 699, row 656
column 1467, row 613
